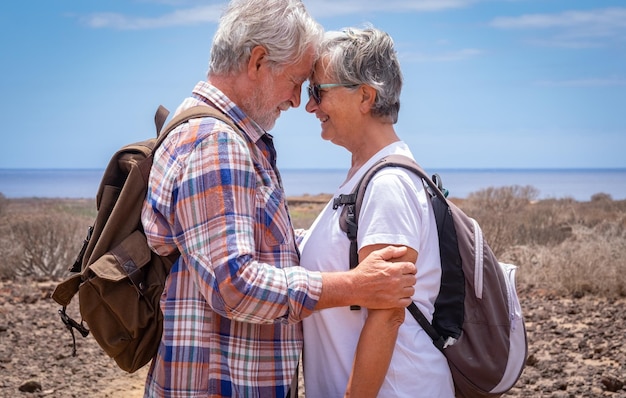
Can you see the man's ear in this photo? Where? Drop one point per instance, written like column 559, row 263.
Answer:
column 258, row 56
column 368, row 97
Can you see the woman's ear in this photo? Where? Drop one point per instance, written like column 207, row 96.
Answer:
column 368, row 97
column 258, row 56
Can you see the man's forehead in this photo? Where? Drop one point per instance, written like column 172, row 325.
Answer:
column 301, row 78
column 304, row 68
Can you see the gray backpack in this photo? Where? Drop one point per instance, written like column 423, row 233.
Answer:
column 477, row 322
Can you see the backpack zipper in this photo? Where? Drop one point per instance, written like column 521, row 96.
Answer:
column 478, row 260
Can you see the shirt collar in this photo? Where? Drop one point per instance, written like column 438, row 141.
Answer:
column 206, row 92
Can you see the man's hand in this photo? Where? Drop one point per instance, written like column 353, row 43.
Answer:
column 380, row 281
column 387, row 275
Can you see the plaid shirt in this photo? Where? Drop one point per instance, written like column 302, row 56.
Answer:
column 234, row 300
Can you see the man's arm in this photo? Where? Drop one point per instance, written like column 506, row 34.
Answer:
column 380, row 281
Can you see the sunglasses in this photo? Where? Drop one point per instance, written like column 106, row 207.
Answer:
column 315, row 89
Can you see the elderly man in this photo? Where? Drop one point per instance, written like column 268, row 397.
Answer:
column 233, row 302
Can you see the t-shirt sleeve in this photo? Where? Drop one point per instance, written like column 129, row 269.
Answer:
column 393, row 208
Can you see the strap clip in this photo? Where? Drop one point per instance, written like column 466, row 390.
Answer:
column 344, row 199
column 71, row 325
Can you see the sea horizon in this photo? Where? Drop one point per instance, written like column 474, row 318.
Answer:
column 577, row 183
column 307, row 169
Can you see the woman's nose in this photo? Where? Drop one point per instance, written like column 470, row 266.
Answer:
column 311, row 105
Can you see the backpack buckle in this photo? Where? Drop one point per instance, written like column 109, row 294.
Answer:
column 344, row 199
column 71, row 325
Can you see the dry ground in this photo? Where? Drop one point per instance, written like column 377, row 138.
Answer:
column 576, row 349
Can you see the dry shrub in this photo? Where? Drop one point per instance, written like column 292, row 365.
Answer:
column 5, row 244
column 3, row 203
column 560, row 245
column 41, row 236
column 590, row 262
column 500, row 213
column 593, row 263
column 7, row 250
column 544, row 223
column 599, row 209
column 40, row 244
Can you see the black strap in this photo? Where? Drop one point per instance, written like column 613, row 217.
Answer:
column 438, row 341
column 350, row 227
column 78, row 263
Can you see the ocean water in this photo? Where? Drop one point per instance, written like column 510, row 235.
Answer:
column 579, row 184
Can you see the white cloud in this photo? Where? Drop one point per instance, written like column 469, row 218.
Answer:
column 608, row 18
column 331, row 8
column 190, row 16
column 573, row 29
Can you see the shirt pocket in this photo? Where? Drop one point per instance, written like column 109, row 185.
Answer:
column 272, row 217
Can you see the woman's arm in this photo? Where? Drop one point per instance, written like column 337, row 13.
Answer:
column 376, row 343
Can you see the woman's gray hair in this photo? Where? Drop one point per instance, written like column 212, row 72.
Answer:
column 283, row 27
column 366, row 56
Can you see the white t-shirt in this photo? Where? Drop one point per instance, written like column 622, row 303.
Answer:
column 395, row 210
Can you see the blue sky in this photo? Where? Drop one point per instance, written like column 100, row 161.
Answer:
column 488, row 83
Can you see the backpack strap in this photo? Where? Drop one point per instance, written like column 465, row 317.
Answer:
column 159, row 118
column 198, row 111
column 349, row 217
column 430, row 330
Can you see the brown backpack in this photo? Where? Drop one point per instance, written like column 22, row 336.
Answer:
column 118, row 278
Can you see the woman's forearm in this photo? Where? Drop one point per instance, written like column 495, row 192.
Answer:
column 374, row 351
column 376, row 342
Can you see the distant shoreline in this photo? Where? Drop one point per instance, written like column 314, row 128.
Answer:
column 293, row 201
column 578, row 184
column 316, row 170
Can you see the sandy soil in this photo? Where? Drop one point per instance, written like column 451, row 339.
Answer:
column 576, row 349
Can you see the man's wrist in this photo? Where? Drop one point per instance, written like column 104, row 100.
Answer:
column 339, row 289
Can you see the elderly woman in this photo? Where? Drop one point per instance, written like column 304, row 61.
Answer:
column 355, row 93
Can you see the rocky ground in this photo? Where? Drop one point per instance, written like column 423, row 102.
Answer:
column 576, row 349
